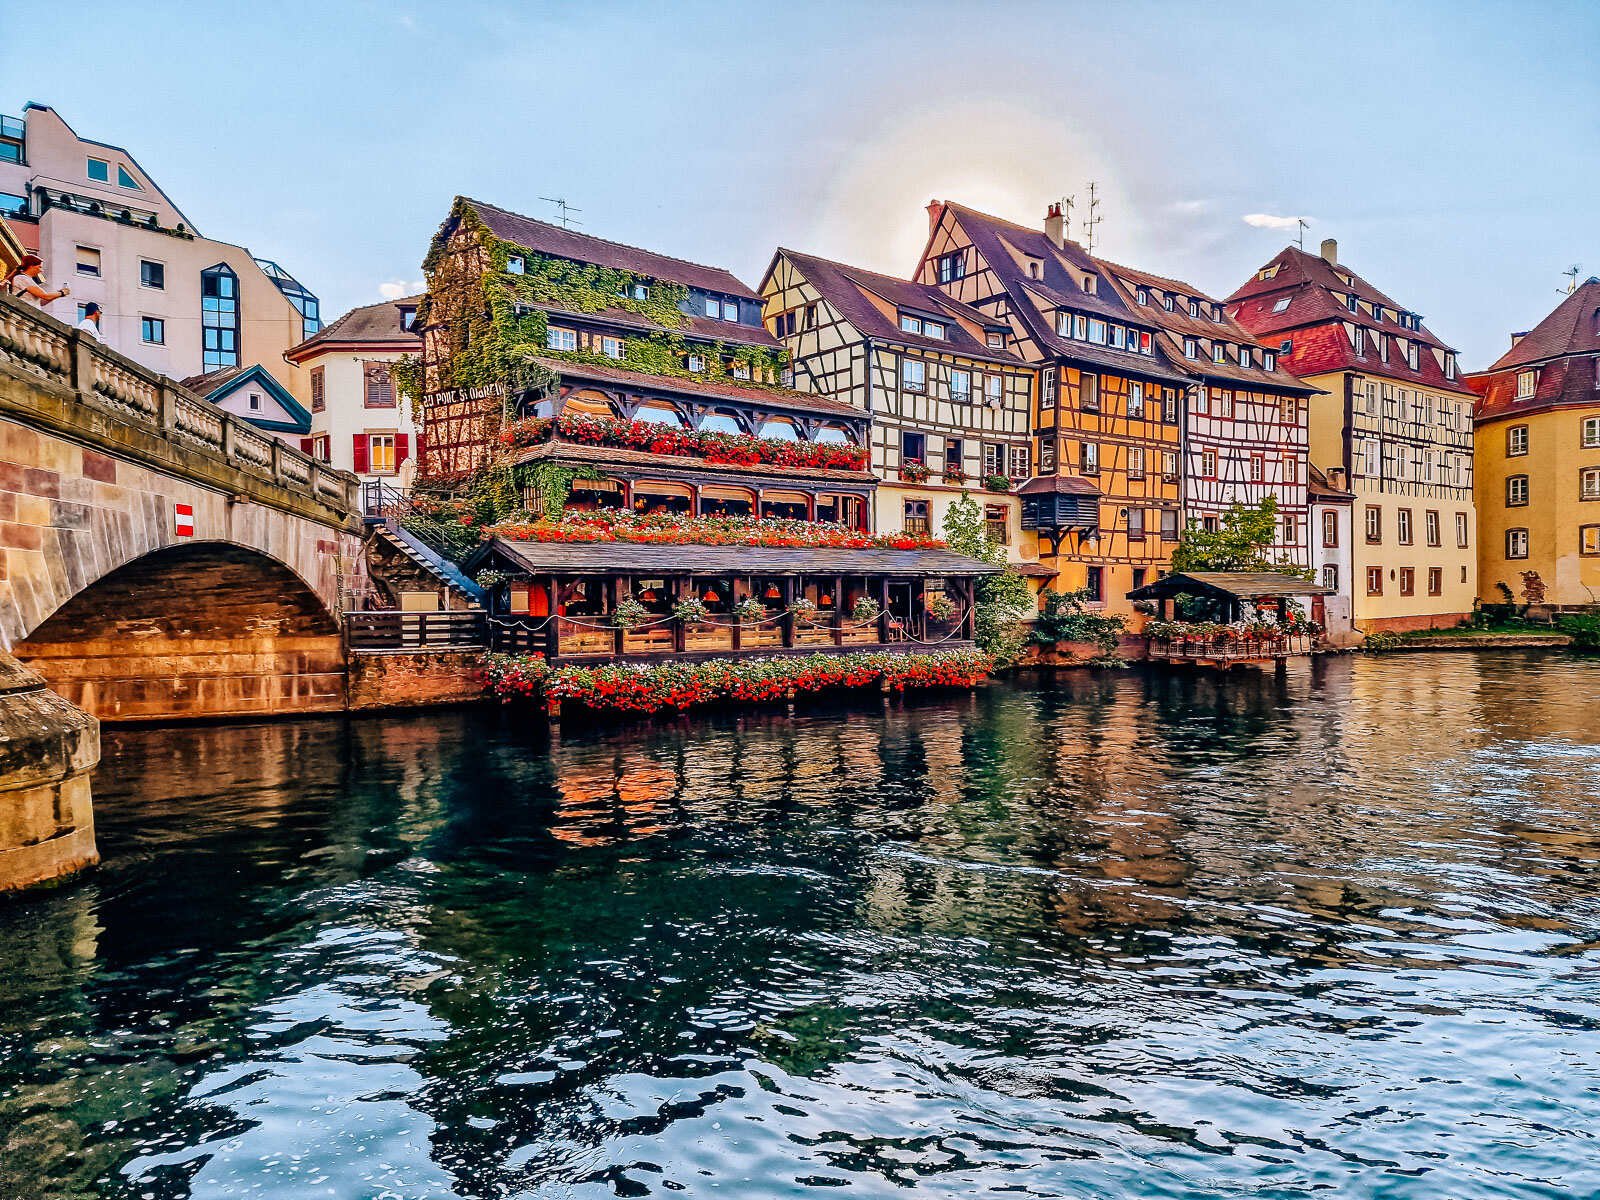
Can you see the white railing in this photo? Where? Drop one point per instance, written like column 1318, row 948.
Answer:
column 35, row 343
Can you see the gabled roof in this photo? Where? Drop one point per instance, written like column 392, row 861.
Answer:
column 1569, row 382
column 544, row 238
column 1010, row 250
column 1573, row 327
column 1309, row 287
column 1241, row 585
column 849, row 290
column 217, row 386
column 1318, row 487
column 372, row 325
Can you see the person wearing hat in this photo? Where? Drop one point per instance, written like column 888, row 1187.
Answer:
column 27, row 279
column 91, row 321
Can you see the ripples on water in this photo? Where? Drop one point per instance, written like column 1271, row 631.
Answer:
column 1111, row 935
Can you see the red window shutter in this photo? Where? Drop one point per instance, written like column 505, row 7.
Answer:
column 305, row 445
column 402, row 449
column 358, row 447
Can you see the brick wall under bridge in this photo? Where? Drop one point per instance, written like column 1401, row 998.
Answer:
column 159, row 559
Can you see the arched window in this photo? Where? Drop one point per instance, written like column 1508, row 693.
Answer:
column 833, row 435
column 719, row 422
column 589, row 402
column 219, row 317
column 780, row 428
column 658, row 414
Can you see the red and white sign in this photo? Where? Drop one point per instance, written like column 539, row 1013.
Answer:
column 183, row 520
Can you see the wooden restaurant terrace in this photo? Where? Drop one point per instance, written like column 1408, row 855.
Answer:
column 562, row 599
column 1233, row 639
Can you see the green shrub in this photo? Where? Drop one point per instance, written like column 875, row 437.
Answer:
column 1585, row 631
column 1381, row 640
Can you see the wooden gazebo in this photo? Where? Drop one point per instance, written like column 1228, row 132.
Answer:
column 1231, row 592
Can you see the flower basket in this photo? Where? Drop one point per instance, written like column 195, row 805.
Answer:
column 630, row 614
column 865, row 608
column 750, row 610
column 996, row 483
column 941, row 608
column 914, row 472
column 691, row 610
column 954, row 475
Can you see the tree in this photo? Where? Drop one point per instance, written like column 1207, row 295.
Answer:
column 1242, row 542
column 1003, row 600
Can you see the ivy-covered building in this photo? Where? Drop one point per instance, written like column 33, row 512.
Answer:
column 643, row 375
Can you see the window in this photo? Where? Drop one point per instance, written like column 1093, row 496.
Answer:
column 1282, row 304
column 1516, row 543
column 556, row 338
column 994, row 459
column 994, row 389
column 1291, row 470
column 377, row 386
column 611, row 347
column 255, row 402
column 99, row 170
column 1461, row 530
column 1369, row 457
column 954, row 453
column 1374, row 523
column 639, row 291
column 1095, row 584
column 1516, row 491
column 1374, row 581
column 124, row 179
column 219, row 317
column 739, row 370
column 916, row 518
column 1353, row 304
column 1449, row 366
column 1089, row 393
column 913, row 375
column 1289, row 410
column 783, row 325
column 152, row 331
column 1408, row 581
column 952, row 266
column 961, row 386
column 1517, row 440
column 1589, row 483
column 11, row 204
column 1430, row 523
column 1047, row 457
column 713, row 307
column 1591, row 432
column 380, row 454
column 730, row 312
column 913, row 447
column 1222, row 405
column 1358, row 338
column 1135, row 399
column 996, row 524
column 1525, row 382
column 1435, row 581
column 1169, row 464
column 995, row 340
column 1097, row 331
column 319, row 395
column 1194, row 308
column 1219, row 352
column 408, row 317
column 1169, row 404
column 1291, row 531
column 910, row 324
column 1136, row 524
column 1139, row 576
column 1589, row 539
column 933, row 329
column 1403, row 526
column 1191, row 348
column 89, row 261
column 1019, row 462
column 1135, row 462
column 1208, row 464
column 1089, row 457
column 1089, row 284
column 1146, row 343
column 1330, row 528
column 696, row 363
column 1047, row 394
column 1330, row 576
column 1412, row 355
column 322, row 448
column 514, row 264
column 1269, row 360
column 1166, row 302
column 152, row 274
column 1169, row 524
column 1244, row 356
column 1258, row 468
column 1143, row 295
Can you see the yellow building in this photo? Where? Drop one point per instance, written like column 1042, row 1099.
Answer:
column 1396, row 418
column 1538, row 461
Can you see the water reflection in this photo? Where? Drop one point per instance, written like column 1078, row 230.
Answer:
column 1101, row 934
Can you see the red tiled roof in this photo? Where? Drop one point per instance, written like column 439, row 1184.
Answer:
column 1559, row 383
column 844, row 287
column 545, row 238
column 1071, row 485
column 769, row 397
column 1318, row 487
column 1573, row 327
column 372, row 324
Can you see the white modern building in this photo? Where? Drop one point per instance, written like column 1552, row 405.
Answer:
column 1332, row 534
column 173, row 300
column 358, row 420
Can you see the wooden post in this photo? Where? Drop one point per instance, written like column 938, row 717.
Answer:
column 838, row 610
column 679, row 638
column 613, row 593
column 919, row 609
column 786, row 626
column 736, row 626
column 883, row 609
column 552, row 630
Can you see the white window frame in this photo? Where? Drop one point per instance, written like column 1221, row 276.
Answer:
column 559, row 339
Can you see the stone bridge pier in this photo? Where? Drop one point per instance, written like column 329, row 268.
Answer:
column 159, row 560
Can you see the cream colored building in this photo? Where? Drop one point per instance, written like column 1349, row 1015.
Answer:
column 174, row 301
column 1396, row 417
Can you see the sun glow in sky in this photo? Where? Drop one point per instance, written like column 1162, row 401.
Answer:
column 1452, row 148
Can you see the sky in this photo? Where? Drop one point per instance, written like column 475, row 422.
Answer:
column 1452, row 149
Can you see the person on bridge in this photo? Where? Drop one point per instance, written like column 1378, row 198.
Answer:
column 91, row 321
column 27, row 280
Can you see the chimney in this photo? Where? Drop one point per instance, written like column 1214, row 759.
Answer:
column 1055, row 226
column 935, row 211
column 1330, row 251
column 1517, row 337
column 1336, row 478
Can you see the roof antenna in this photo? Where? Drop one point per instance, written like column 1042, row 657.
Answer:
column 564, row 211
column 1301, row 221
column 1092, row 221
column 1572, row 279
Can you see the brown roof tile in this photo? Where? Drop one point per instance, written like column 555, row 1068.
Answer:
column 370, row 325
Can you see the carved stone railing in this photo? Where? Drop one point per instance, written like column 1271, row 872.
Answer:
column 34, row 343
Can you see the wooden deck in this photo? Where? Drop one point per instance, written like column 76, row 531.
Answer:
column 1224, row 655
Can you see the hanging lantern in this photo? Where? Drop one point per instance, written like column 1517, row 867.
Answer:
column 710, row 596
column 826, row 600
column 648, row 595
column 772, row 592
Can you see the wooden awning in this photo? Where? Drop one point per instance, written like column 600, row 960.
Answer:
column 632, row 558
column 1237, row 585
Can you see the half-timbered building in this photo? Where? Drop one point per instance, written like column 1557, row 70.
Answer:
column 1395, row 416
column 1244, row 416
column 950, row 399
column 1104, row 499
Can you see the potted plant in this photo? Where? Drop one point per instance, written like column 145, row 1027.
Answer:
column 941, row 608
column 996, row 483
column 750, row 611
column 913, row 471
column 691, row 610
column 865, row 608
column 804, row 610
column 630, row 613
column 954, row 474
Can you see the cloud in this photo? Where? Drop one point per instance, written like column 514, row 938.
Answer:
column 1191, row 208
column 1268, row 221
column 396, row 288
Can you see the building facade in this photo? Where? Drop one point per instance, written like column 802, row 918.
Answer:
column 1245, row 418
column 172, row 300
column 951, row 402
column 1538, row 461
column 254, row 395
column 1103, row 504
column 359, row 420
column 1395, row 416
column 1331, row 537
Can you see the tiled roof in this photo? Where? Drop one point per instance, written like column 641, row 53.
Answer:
column 370, row 325
column 846, row 287
column 1573, row 327
column 1067, row 485
column 1559, row 383
column 786, row 399
column 668, row 463
column 619, row 558
column 204, row 385
column 545, row 238
column 1318, row 487
column 695, row 327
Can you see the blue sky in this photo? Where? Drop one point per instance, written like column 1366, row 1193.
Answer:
column 1452, row 148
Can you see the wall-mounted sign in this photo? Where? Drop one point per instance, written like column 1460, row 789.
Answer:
column 183, row 520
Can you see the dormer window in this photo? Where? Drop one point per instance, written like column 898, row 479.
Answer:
column 910, row 324
column 408, row 317
column 1267, row 272
column 1089, row 284
column 1244, row 356
column 1352, row 303
column 1525, row 382
column 1449, row 366
column 933, row 329
column 1382, row 343
column 1219, row 353
column 1144, row 296
column 514, row 264
column 1269, row 361
column 1412, row 357
column 1216, row 313
column 634, row 291
column 1282, row 304
column 1194, row 308
column 697, row 363
column 995, row 340
column 1167, row 303
column 1033, row 270
column 1191, row 348
column 1377, row 313
column 1358, row 338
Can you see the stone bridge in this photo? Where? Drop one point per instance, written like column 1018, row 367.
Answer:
column 159, row 559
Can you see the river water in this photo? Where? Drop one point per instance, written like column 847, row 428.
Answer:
column 1102, row 935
